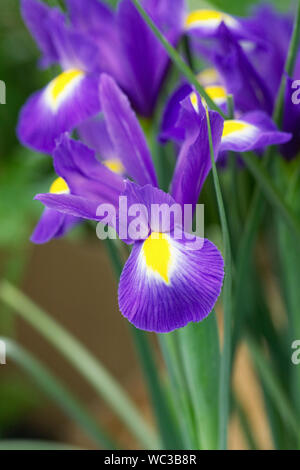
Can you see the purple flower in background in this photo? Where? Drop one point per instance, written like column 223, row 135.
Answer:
column 93, row 39
column 254, row 130
column 166, row 282
column 80, row 176
column 127, row 49
column 251, row 69
column 73, row 95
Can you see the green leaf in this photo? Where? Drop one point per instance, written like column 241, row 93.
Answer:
column 82, row 360
column 225, row 371
column 272, row 194
column 57, row 392
column 201, row 356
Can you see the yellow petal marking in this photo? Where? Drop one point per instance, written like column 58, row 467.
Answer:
column 207, row 77
column 231, row 126
column 157, row 253
column 216, row 92
column 61, row 84
column 203, row 15
column 59, row 186
column 115, row 165
column 194, row 101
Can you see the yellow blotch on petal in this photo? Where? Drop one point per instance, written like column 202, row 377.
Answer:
column 59, row 186
column 231, row 126
column 208, row 77
column 62, row 83
column 157, row 253
column 203, row 15
column 216, row 93
column 207, row 18
column 194, row 101
column 115, row 165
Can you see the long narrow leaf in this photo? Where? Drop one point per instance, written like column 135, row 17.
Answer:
column 88, row 366
column 57, row 392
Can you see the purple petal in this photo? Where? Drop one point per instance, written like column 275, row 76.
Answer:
column 261, row 133
column 194, row 162
column 94, row 134
column 39, row 126
column 147, row 197
column 126, row 133
column 35, row 15
column 195, row 282
column 72, row 205
column 48, row 226
column 241, row 79
column 98, row 21
column 169, row 128
column 145, row 60
column 84, row 174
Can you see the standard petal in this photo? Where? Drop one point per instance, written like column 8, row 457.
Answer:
column 240, row 78
column 35, row 15
column 93, row 132
column 84, row 174
column 169, row 128
column 97, row 21
column 145, row 60
column 126, row 133
column 165, row 286
column 194, row 162
column 68, row 100
column 157, row 211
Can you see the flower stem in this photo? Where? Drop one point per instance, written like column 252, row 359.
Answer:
column 88, row 366
column 57, row 392
column 225, row 370
column 167, row 426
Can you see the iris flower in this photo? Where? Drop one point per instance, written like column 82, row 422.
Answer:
column 72, row 96
column 167, row 281
column 127, row 48
column 93, row 39
column 249, row 131
column 251, row 70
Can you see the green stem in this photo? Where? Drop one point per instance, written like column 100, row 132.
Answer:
column 225, row 371
column 274, row 388
column 20, row 444
column 180, row 392
column 165, row 421
column 57, row 392
column 177, row 60
column 272, row 194
column 82, row 360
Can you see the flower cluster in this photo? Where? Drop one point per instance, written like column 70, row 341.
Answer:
column 113, row 69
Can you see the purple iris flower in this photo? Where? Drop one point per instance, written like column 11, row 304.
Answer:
column 92, row 39
column 167, row 281
column 80, row 175
column 73, row 95
column 127, row 48
column 252, row 69
column 251, row 131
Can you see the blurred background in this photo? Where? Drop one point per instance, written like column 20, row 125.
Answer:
column 70, row 278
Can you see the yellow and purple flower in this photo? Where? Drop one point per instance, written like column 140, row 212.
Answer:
column 254, row 130
column 72, row 96
column 168, row 281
